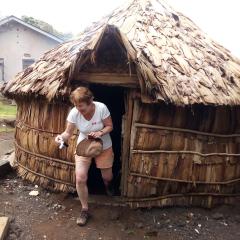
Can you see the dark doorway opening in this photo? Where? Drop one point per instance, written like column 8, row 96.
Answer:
column 113, row 97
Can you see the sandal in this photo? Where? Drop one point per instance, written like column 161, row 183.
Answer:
column 83, row 218
column 110, row 189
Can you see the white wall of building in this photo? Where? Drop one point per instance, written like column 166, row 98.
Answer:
column 18, row 42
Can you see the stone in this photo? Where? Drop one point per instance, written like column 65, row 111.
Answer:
column 190, row 215
column 152, row 233
column 181, row 224
column 34, row 193
column 168, row 221
column 139, row 225
column 115, row 216
column 197, row 231
column 12, row 236
column 217, row 216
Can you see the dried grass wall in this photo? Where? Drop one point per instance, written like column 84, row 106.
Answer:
column 184, row 156
column 37, row 154
column 179, row 156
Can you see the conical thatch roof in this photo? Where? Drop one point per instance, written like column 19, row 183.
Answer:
column 175, row 61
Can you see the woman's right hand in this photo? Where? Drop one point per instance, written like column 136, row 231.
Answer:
column 58, row 139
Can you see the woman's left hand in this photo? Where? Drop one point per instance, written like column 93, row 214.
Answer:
column 97, row 134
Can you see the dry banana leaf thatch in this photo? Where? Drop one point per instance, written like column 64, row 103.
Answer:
column 175, row 61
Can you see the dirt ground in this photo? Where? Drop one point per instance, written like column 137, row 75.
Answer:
column 53, row 216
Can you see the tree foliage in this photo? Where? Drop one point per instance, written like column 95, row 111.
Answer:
column 46, row 27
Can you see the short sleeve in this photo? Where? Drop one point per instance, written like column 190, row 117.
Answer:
column 72, row 116
column 105, row 112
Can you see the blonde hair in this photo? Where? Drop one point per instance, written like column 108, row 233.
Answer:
column 81, row 94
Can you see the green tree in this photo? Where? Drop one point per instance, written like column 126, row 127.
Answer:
column 46, row 27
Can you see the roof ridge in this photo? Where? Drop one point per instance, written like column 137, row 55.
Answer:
column 31, row 26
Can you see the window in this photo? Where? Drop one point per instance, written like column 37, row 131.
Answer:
column 1, row 69
column 27, row 55
column 27, row 62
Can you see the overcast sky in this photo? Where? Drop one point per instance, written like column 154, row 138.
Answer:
column 219, row 18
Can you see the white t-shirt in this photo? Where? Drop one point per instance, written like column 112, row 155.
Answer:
column 93, row 125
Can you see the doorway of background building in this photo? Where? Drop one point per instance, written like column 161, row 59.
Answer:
column 113, row 97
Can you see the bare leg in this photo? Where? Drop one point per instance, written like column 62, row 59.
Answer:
column 82, row 168
column 107, row 176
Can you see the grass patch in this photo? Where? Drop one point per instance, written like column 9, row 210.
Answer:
column 7, row 111
column 6, row 129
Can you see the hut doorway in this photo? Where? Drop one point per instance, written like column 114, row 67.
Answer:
column 113, row 97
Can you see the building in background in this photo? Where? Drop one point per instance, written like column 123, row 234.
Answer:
column 21, row 44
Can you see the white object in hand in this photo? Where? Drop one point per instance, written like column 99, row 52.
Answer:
column 61, row 144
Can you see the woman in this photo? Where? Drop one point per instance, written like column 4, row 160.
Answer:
column 91, row 118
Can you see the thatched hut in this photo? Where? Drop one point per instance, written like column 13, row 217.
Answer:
column 174, row 95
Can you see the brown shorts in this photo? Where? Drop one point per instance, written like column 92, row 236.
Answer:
column 103, row 160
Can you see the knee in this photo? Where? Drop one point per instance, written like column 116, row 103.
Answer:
column 81, row 179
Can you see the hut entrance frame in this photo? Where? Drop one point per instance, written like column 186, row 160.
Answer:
column 113, row 97
column 122, row 105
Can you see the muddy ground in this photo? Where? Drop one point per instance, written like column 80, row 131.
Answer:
column 53, row 216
